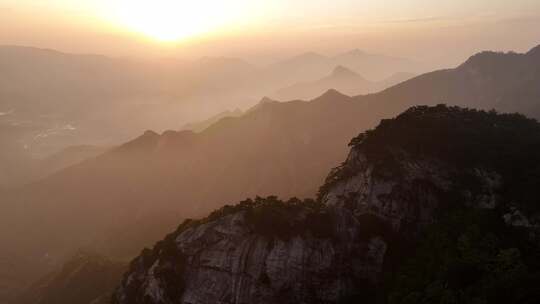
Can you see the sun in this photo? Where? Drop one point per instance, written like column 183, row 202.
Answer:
column 172, row 20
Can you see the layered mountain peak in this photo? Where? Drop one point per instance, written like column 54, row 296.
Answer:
column 150, row 141
column 150, row 134
column 266, row 100
column 490, row 60
column 146, row 141
column 353, row 54
column 408, row 174
column 332, row 95
column 343, row 72
column 534, row 52
column 262, row 104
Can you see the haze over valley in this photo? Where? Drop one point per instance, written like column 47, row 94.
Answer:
column 202, row 153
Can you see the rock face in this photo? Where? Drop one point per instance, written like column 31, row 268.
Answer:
column 230, row 260
column 336, row 249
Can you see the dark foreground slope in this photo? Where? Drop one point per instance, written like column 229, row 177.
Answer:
column 85, row 279
column 433, row 206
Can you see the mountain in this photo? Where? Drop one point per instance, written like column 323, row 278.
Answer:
column 304, row 67
column 13, row 157
column 202, row 125
column 85, row 278
column 130, row 196
column 235, row 156
column 309, row 67
column 407, row 218
column 50, row 100
column 375, row 66
column 504, row 81
column 67, row 157
column 68, row 100
column 341, row 79
column 395, row 79
column 18, row 166
column 147, row 185
column 73, row 99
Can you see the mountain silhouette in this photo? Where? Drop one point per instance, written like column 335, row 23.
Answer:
column 309, row 67
column 201, row 125
column 130, row 196
column 488, row 80
column 341, row 79
column 78, row 99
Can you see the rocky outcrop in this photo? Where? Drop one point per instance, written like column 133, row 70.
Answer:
column 395, row 182
column 231, row 260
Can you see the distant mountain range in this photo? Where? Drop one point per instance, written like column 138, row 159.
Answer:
column 18, row 166
column 439, row 194
column 283, row 149
column 341, row 79
column 312, row 66
column 48, row 89
column 91, row 93
column 61, row 100
column 203, row 124
column 507, row 82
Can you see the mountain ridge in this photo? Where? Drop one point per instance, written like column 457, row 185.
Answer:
column 342, row 79
column 282, row 148
column 354, row 242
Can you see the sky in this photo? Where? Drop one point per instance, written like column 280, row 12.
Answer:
column 443, row 30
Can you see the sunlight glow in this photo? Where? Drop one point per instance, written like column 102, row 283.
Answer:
column 172, row 20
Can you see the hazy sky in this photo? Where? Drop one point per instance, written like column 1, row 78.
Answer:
column 257, row 29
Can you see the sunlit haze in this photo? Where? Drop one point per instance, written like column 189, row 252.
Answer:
column 168, row 20
column 269, row 151
column 270, row 30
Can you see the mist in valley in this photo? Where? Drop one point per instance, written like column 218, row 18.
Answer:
column 143, row 164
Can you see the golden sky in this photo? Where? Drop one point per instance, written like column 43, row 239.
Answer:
column 269, row 28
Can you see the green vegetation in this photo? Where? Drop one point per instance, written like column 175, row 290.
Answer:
column 470, row 256
column 273, row 217
column 269, row 217
column 505, row 143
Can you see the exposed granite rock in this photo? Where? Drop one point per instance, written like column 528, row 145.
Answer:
column 411, row 198
column 225, row 261
column 373, row 208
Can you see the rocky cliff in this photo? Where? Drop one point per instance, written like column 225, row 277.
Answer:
column 372, row 215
